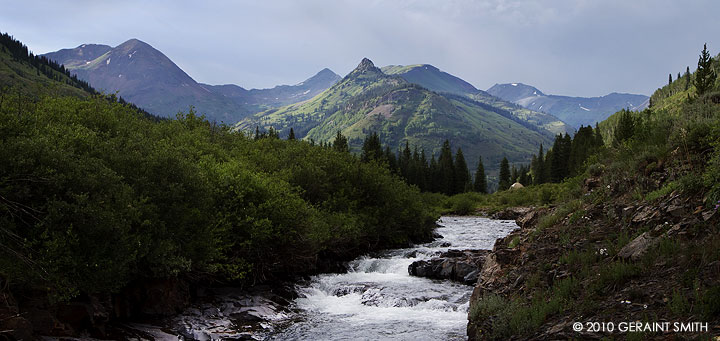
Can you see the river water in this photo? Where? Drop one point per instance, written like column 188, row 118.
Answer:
column 378, row 300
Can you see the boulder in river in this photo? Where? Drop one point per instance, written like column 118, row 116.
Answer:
column 461, row 266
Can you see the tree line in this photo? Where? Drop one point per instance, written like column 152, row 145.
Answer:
column 449, row 173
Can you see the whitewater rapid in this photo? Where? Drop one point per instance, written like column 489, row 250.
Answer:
column 376, row 299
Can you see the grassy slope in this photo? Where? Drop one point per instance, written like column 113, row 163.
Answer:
column 433, row 79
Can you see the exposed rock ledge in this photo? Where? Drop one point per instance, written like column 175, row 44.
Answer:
column 457, row 265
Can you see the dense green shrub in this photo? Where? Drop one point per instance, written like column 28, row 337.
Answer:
column 93, row 195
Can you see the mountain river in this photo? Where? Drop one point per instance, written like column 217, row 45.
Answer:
column 376, row 299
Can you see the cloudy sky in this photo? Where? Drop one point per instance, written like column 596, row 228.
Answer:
column 580, row 48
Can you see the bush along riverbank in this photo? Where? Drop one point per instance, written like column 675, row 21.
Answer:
column 106, row 213
column 635, row 239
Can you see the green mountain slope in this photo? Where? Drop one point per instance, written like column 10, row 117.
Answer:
column 27, row 73
column 368, row 100
column 434, row 79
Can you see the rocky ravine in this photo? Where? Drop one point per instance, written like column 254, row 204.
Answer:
column 601, row 261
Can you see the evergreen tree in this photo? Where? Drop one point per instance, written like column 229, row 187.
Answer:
column 548, row 162
column 462, row 175
column 513, row 174
column 687, row 78
column 404, row 161
column 556, row 163
column 480, row 185
column 446, row 169
column 425, row 171
column 599, row 142
column 291, row 136
column 625, row 127
column 523, row 177
column 435, row 177
column 705, row 75
column 539, row 170
column 391, row 160
column 372, row 148
column 340, row 143
column 504, row 183
column 670, row 79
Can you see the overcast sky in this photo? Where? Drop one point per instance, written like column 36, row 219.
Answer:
column 579, row 48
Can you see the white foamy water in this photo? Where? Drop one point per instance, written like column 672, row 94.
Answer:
column 378, row 300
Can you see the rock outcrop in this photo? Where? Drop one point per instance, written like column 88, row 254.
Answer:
column 461, row 266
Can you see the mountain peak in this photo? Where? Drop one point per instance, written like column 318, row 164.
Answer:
column 133, row 43
column 365, row 62
column 366, row 68
column 366, row 65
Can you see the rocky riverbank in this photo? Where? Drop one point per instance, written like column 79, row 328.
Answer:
column 600, row 261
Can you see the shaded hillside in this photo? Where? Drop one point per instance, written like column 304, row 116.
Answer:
column 576, row 111
column 436, row 80
column 368, row 100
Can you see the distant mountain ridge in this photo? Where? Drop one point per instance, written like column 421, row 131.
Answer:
column 279, row 95
column 436, row 80
column 145, row 76
column 575, row 111
column 369, row 100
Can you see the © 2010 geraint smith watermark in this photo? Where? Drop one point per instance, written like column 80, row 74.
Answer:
column 639, row 327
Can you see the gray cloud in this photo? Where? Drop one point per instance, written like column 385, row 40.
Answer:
column 579, row 47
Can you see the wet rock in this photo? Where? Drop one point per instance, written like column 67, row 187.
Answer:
column 161, row 297
column 76, row 314
column 462, row 266
column 472, row 277
column 638, row 247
